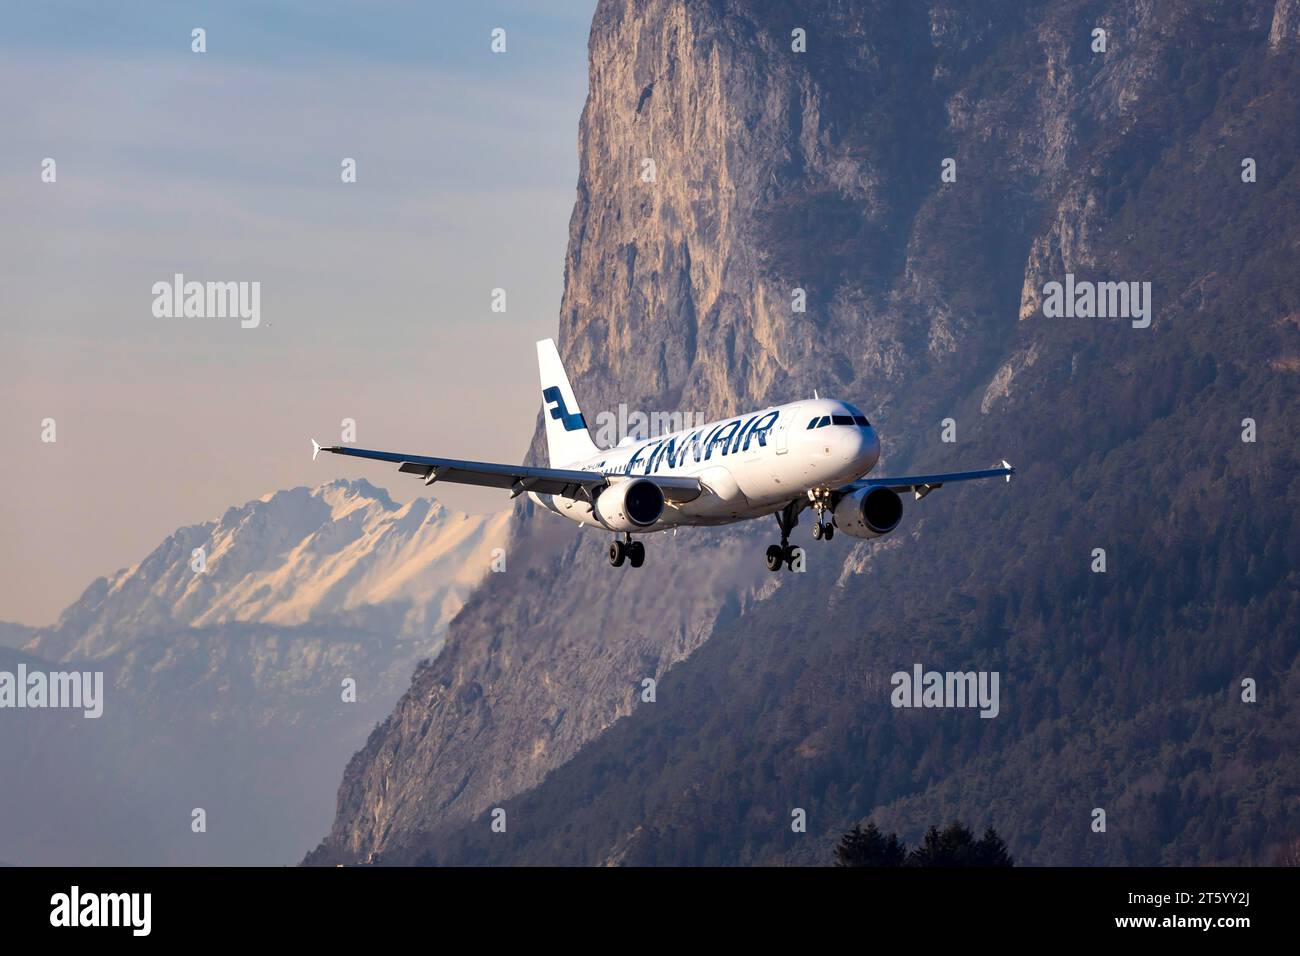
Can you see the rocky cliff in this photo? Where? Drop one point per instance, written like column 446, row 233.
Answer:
column 741, row 160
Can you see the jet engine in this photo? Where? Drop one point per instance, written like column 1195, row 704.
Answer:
column 869, row 512
column 632, row 505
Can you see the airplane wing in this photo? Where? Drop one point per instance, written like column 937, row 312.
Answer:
column 518, row 478
column 922, row 485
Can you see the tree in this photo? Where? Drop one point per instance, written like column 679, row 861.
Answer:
column 953, row 846
column 869, row 847
column 956, row 846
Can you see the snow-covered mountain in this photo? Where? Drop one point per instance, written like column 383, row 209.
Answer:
column 340, row 553
column 225, row 688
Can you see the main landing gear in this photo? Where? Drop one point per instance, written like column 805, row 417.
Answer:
column 784, row 553
column 633, row 552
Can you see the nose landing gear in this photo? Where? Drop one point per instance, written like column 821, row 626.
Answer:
column 823, row 530
column 633, row 552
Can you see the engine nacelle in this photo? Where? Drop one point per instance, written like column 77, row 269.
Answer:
column 869, row 513
column 632, row 505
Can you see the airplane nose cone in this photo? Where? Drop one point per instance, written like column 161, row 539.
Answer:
column 864, row 450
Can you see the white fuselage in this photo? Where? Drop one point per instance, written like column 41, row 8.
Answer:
column 749, row 465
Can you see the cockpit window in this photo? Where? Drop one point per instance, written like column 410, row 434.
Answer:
column 842, row 419
column 813, row 424
column 861, row 420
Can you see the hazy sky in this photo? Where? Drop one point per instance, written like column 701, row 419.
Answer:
column 225, row 166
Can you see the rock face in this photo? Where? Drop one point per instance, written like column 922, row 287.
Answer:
column 725, row 181
column 1285, row 29
column 224, row 689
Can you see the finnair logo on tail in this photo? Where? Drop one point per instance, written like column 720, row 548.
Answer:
column 572, row 422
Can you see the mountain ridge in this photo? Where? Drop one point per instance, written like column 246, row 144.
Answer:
column 289, row 557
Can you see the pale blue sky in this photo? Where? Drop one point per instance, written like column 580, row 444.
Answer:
column 225, row 166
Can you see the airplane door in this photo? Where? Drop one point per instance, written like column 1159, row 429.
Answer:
column 782, row 435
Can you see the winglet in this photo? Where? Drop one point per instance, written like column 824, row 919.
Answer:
column 1010, row 471
column 315, row 449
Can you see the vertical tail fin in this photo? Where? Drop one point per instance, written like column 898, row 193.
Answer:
column 567, row 438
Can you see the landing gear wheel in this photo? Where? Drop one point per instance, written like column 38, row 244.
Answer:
column 779, row 554
column 821, row 498
column 636, row 554
column 617, row 553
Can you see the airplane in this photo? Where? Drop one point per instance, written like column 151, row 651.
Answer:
column 777, row 461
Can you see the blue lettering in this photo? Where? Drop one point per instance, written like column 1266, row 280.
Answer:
column 761, row 428
column 636, row 455
column 693, row 439
column 735, row 445
column 650, row 459
column 666, row 452
column 662, row 452
column 708, row 442
column 723, row 438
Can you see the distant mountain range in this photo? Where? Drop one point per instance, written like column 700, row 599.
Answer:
column 337, row 553
column 225, row 686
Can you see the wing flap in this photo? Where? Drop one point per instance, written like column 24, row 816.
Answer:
column 922, row 485
column 549, row 481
